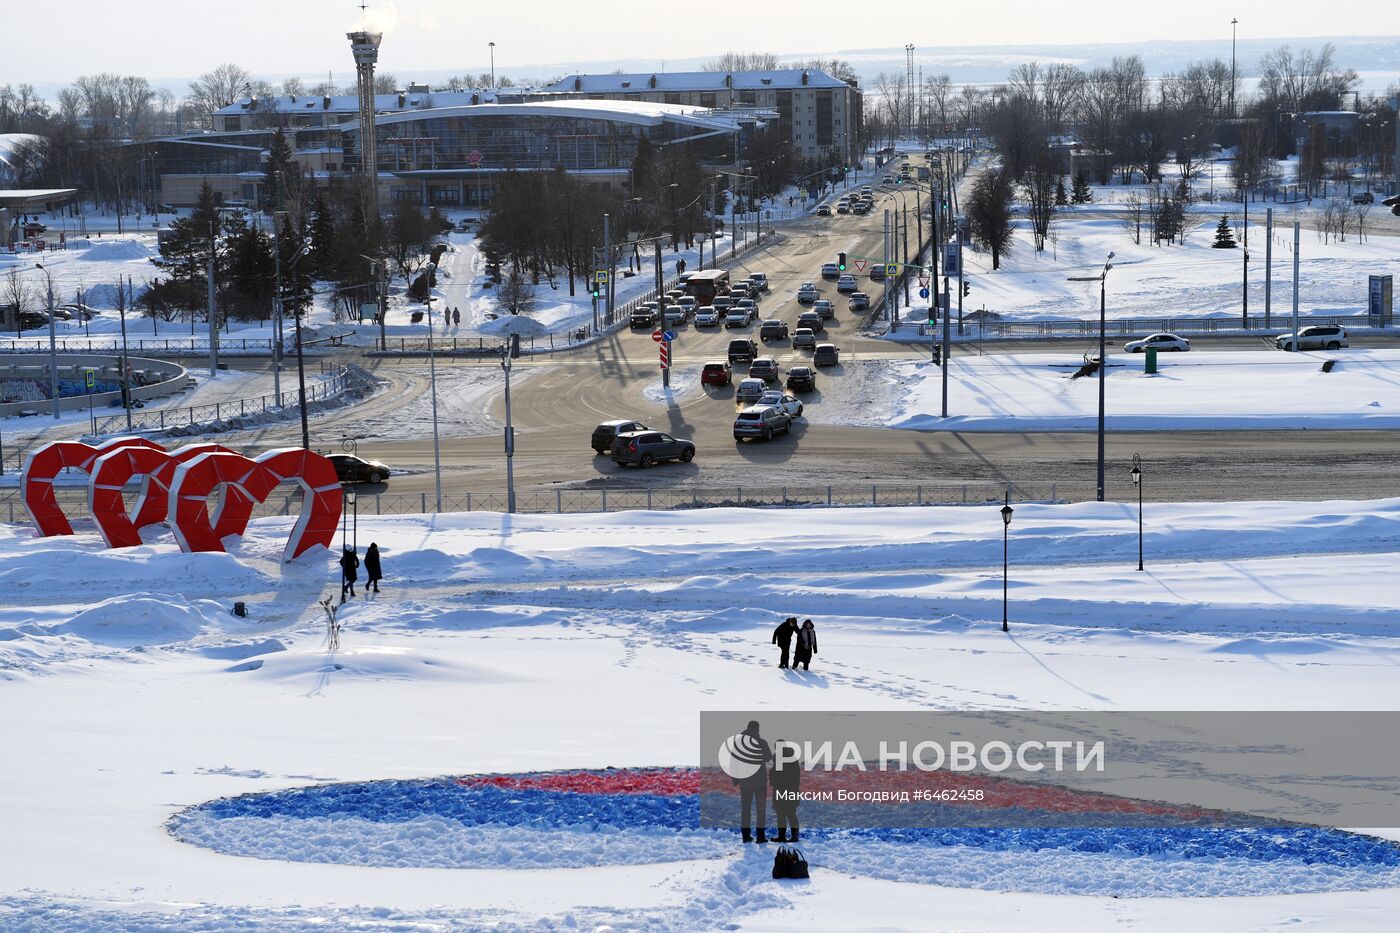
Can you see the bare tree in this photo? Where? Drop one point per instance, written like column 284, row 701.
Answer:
column 742, row 61
column 1304, row 80
column 516, row 295
column 1134, row 212
column 989, row 214
column 16, row 294
column 293, row 87
column 938, row 90
column 217, row 88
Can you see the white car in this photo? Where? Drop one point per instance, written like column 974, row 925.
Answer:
column 738, row 317
column 750, row 390
column 1165, row 343
column 847, row 283
column 804, row 337
column 807, row 293
column 707, row 317
column 675, row 314
column 830, row 270
column 782, row 400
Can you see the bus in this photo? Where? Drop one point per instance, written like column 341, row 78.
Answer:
column 706, row 284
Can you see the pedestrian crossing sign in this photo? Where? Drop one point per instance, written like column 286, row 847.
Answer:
column 601, row 275
column 891, row 268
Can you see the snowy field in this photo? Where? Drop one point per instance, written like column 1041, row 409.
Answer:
column 506, row 644
column 1198, row 390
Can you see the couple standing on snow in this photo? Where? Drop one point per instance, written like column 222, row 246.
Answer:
column 785, row 778
column 805, row 636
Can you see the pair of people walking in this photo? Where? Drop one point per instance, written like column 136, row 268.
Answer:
column 349, row 570
column 803, row 638
column 783, row 775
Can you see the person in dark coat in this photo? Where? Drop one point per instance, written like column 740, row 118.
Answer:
column 349, row 563
column 753, row 790
column 786, row 780
column 806, row 645
column 782, row 637
column 373, row 572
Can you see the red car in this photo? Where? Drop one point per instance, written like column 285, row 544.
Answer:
column 716, row 374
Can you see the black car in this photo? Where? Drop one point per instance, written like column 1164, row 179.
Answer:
column 605, row 433
column 644, row 448
column 826, row 354
column 802, row 379
column 742, row 350
column 350, row 469
column 773, row 330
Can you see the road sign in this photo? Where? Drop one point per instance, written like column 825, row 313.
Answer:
column 952, row 259
column 668, row 335
column 665, row 356
column 474, row 157
column 860, row 265
column 923, row 280
column 91, row 378
column 601, row 275
column 658, row 336
column 923, row 293
column 891, row 268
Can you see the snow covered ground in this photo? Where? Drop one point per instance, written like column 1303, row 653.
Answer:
column 525, row 643
column 1198, row 390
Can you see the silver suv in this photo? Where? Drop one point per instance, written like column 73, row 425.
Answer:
column 1316, row 337
column 761, row 421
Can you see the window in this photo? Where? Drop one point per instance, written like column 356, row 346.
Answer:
column 672, row 98
column 233, row 124
column 707, row 100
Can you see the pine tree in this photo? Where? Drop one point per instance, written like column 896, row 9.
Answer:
column 279, row 168
column 642, row 165
column 322, row 233
column 1060, row 199
column 1224, row 237
column 184, row 252
column 1081, row 193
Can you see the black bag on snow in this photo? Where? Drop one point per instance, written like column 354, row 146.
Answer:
column 789, row 863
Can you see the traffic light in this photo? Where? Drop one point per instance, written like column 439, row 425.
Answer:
column 515, row 346
column 841, row 261
column 967, row 289
column 596, row 290
column 937, row 355
column 932, row 315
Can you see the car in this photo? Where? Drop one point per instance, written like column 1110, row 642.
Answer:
column 824, row 309
column 843, row 207
column 351, row 469
column 675, row 314
column 716, row 373
column 742, row 350
column 737, row 317
column 761, row 421
column 781, row 400
column 1364, row 197
column 772, row 329
column 688, row 302
column 877, row 272
column 759, row 280
column 684, row 277
column 847, row 283
column 861, row 207
column 645, row 448
column 607, row 432
column 824, row 210
column 675, row 295
column 804, row 337
column 1166, row 343
column 707, row 317
column 739, row 291
column 802, row 379
column 830, row 270
column 749, row 305
column 826, row 354
column 723, row 303
column 1316, row 337
column 765, row 368
column 866, row 189
column 807, row 293
column 888, row 179
column 811, row 319
column 750, row 390
column 859, row 301
column 642, row 317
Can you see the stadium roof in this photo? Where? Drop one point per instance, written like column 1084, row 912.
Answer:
column 785, row 78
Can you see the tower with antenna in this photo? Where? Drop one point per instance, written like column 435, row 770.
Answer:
column 909, row 83
column 364, row 45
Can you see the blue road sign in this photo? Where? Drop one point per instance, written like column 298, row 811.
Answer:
column 668, row 336
column 923, row 293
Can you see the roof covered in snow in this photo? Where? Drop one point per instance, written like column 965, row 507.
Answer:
column 623, row 111
column 349, row 103
column 785, row 78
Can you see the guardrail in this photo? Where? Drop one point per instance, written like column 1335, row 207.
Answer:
column 1130, row 327
column 134, row 346
column 73, row 499
column 162, row 419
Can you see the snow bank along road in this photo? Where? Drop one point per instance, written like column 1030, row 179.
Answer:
column 532, row 643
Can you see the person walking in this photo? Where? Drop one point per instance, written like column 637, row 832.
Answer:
column 373, row 572
column 349, row 563
column 456, row 317
column 786, row 780
column 753, row 790
column 806, row 645
column 782, row 637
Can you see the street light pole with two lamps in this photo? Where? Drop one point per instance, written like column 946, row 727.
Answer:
column 1136, row 474
column 1102, row 279
column 1006, row 511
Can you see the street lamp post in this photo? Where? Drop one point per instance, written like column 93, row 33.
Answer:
column 432, row 389
column 1006, row 511
column 1137, row 482
column 492, row 46
column 1234, row 23
column 506, row 352
column 1102, row 279
column 53, row 340
column 675, row 231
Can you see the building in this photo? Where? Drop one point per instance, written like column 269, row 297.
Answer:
column 819, row 114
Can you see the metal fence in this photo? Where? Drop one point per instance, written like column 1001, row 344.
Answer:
column 161, row 419
column 1130, row 327
column 73, row 499
column 135, row 346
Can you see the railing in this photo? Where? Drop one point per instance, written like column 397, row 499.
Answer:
column 134, row 345
column 73, row 499
column 1128, row 327
column 163, row 419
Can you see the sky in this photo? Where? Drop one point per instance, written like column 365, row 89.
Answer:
column 181, row 38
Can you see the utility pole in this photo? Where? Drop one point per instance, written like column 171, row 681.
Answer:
column 432, row 388
column 510, row 429
column 947, row 343
column 213, row 315
column 126, row 384
column 1244, row 296
column 277, row 308
column 1268, row 267
column 1296, row 245
column 1233, row 79
column 53, row 342
column 885, row 272
column 608, row 260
